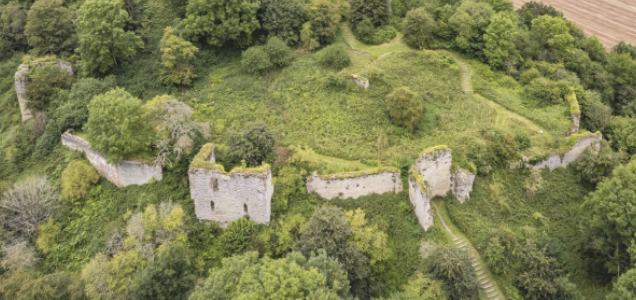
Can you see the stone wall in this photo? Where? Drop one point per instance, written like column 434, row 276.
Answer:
column 361, row 81
column 21, row 80
column 462, row 184
column 121, row 173
column 420, row 199
column 584, row 141
column 354, row 185
column 435, row 167
column 224, row 197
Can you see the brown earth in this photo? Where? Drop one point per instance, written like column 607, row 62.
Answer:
column 611, row 20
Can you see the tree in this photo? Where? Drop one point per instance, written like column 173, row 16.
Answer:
column 405, row 108
column 324, row 19
column 452, row 267
column 621, row 132
column 13, row 19
column 595, row 48
column 117, row 125
column 18, row 255
column 623, row 79
column 26, row 204
column 203, row 21
column 335, row 57
column 500, row 39
column 368, row 239
column 279, row 53
column 49, row 27
column 77, row 178
column 176, row 57
column 255, row 60
column 420, row 287
column 47, row 234
column 622, row 48
column 252, row 145
column 469, row 22
column 284, row 19
column 419, row 28
column 238, row 235
column 56, row 286
column 378, row 11
column 44, row 82
column 532, row 10
column 121, row 270
column 95, row 277
column 103, row 39
column 552, row 38
column 625, row 287
column 608, row 213
column 539, row 274
column 595, row 167
column 168, row 277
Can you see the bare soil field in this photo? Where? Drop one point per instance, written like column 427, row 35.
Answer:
column 611, row 20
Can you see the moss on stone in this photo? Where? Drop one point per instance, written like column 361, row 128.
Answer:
column 200, row 161
column 419, row 180
column 574, row 103
column 357, row 174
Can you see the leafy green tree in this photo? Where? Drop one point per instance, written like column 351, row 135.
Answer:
column 49, row 27
column 621, row 132
column 622, row 48
column 95, row 277
column 378, row 11
column 335, row 57
column 552, row 38
column 595, row 48
column 500, row 39
column 238, row 236
column 13, row 19
column 595, row 167
column 284, row 19
column 279, row 53
column 420, row 287
column 623, row 71
column 168, row 277
column 608, row 212
column 279, row 238
column 499, row 251
column 419, row 28
column 56, row 286
column 117, row 125
column 76, row 180
column 204, row 21
column 469, row 23
column 176, row 59
column 368, row 239
column 307, row 41
column 255, row 60
column 324, row 19
column 539, row 273
column 405, row 108
column 252, row 145
column 103, row 39
column 365, row 31
column 625, row 287
column 452, row 267
column 47, row 233
column 532, row 10
column 44, row 82
column 121, row 269
column 500, row 5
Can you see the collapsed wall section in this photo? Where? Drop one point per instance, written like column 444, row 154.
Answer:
column 21, row 80
column 356, row 184
column 583, row 142
column 224, row 197
column 121, row 173
column 462, row 184
column 434, row 165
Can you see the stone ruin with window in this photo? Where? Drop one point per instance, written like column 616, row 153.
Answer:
column 223, row 197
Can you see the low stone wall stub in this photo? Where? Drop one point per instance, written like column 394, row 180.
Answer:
column 435, row 167
column 462, row 184
column 223, row 197
column 355, row 185
column 21, row 80
column 421, row 201
column 584, row 141
column 121, row 173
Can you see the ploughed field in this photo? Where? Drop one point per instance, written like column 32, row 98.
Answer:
column 611, row 20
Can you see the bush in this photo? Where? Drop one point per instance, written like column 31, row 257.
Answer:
column 44, row 82
column 377, row 11
column 237, row 237
column 252, row 145
column 419, row 27
column 365, row 31
column 621, row 132
column 529, row 75
column 594, row 167
column 255, row 60
column 279, row 53
column 503, row 144
column 547, row 90
column 452, row 266
column 405, row 108
column 77, row 179
column 335, row 57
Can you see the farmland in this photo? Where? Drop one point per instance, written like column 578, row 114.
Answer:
column 610, row 20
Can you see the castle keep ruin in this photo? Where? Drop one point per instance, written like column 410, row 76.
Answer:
column 121, row 173
column 355, row 184
column 223, row 197
column 21, row 80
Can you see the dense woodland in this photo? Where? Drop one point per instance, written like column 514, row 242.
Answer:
column 270, row 81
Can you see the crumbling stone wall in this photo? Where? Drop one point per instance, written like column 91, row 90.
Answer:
column 224, row 197
column 21, row 80
column 121, row 173
column 462, row 184
column 361, row 81
column 354, row 185
column 420, row 199
column 584, row 141
column 435, row 166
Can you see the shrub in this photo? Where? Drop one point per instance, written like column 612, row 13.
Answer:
column 335, row 57
column 452, row 266
column 529, row 75
column 279, row 53
column 176, row 59
column 77, row 179
column 44, row 82
column 547, row 90
column 594, row 167
column 252, row 145
column 404, row 107
column 621, row 132
column 255, row 60
column 503, row 144
column 365, row 31
column 237, row 237
column 419, row 27
column 377, row 11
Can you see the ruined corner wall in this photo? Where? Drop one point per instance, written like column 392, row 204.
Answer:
column 435, row 168
column 21, row 80
column 354, row 185
column 224, row 197
column 462, row 184
column 122, row 173
column 421, row 200
column 584, row 141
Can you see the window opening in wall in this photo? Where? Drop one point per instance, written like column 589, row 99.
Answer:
column 245, row 208
column 212, row 205
column 214, row 184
